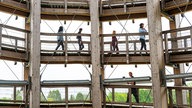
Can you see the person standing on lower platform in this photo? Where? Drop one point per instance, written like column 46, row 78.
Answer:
column 79, row 39
column 114, row 43
column 134, row 91
column 60, row 39
column 142, row 36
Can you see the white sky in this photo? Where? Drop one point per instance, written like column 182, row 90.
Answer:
column 77, row 71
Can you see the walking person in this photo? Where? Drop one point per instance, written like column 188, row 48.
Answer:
column 142, row 37
column 114, row 43
column 134, row 91
column 60, row 39
column 79, row 39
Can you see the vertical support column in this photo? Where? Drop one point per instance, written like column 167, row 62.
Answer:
column 156, row 54
column 35, row 54
column 190, row 35
column 26, row 65
column 0, row 38
column 166, row 49
column 95, row 54
column 177, row 70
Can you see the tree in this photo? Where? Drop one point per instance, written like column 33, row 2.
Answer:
column 79, row 96
column 54, row 95
column 72, row 97
column 18, row 95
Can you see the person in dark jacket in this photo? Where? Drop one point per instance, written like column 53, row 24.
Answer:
column 134, row 91
column 114, row 43
column 60, row 39
column 79, row 39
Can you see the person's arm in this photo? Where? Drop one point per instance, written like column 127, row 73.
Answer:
column 142, row 30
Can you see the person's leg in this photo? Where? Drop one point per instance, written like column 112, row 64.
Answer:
column 62, row 45
column 79, row 42
column 127, row 97
column 117, row 49
column 141, row 40
column 144, row 44
column 58, row 44
column 135, row 94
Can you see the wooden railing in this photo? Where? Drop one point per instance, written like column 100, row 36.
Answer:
column 128, row 42
column 113, row 88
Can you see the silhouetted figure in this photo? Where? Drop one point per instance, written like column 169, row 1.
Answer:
column 60, row 39
column 79, row 39
column 134, row 91
column 142, row 37
column 114, row 43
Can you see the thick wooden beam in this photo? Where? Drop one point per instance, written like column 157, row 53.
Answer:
column 156, row 54
column 95, row 54
column 35, row 54
column 0, row 38
column 177, row 70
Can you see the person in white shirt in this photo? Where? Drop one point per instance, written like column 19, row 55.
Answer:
column 142, row 37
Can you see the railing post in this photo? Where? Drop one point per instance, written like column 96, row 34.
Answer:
column 66, row 58
column 66, row 96
column 166, row 49
column 191, row 38
column 170, row 98
column 127, row 49
column 130, row 99
column 14, row 93
column 27, row 45
column 113, row 95
column 0, row 38
column 190, row 98
column 15, row 44
column 104, row 98
column 185, row 44
column 135, row 47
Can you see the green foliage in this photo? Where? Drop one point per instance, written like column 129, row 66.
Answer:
column 18, row 95
column 54, row 95
column 5, row 98
column 144, row 96
column 79, row 96
column 72, row 98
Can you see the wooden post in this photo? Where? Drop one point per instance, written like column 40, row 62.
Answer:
column 113, row 94
column 26, row 65
column 170, row 99
column 130, row 98
column 66, row 96
column 14, row 93
column 166, row 49
column 0, row 38
column 178, row 82
column 35, row 54
column 95, row 54
column 65, row 6
column 156, row 54
column 191, row 37
column 127, row 49
column 190, row 97
column 66, row 56
column 185, row 44
column 135, row 47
